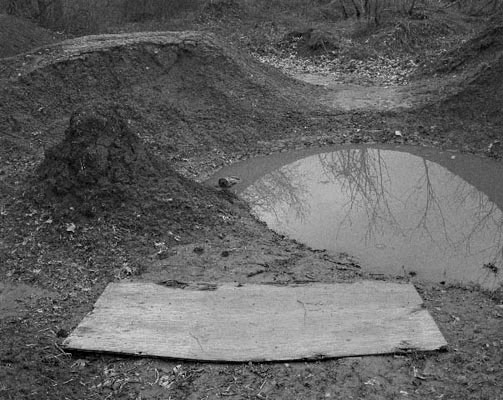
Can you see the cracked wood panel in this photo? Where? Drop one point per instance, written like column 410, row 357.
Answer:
column 257, row 322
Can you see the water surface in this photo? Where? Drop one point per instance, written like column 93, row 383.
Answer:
column 398, row 213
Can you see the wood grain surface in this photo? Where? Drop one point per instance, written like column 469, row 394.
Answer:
column 229, row 322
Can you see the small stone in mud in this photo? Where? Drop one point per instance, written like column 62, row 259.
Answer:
column 228, row 181
column 163, row 254
column 198, row 250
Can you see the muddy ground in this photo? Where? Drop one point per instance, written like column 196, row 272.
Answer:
column 188, row 103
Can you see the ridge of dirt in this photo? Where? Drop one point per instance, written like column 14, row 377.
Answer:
column 204, row 93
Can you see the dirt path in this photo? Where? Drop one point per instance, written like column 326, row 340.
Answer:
column 348, row 97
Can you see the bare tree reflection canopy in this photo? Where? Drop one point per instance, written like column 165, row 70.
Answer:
column 399, row 213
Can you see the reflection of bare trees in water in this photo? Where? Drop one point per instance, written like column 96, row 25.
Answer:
column 278, row 189
column 488, row 218
column 431, row 204
column 365, row 178
column 485, row 219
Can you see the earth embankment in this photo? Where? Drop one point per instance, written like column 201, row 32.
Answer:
column 186, row 83
column 476, row 68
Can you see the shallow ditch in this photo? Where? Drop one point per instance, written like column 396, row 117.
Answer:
column 426, row 214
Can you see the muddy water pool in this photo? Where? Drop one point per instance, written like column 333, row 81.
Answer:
column 429, row 215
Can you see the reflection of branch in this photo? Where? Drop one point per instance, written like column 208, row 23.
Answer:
column 431, row 201
column 281, row 187
column 486, row 221
column 364, row 176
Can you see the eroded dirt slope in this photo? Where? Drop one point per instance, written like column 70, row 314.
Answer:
column 478, row 94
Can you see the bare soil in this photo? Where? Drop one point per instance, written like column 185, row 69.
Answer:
column 102, row 142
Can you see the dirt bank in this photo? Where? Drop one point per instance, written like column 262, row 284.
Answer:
column 476, row 92
column 189, row 84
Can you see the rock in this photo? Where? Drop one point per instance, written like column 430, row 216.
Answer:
column 228, row 181
column 494, row 147
column 198, row 250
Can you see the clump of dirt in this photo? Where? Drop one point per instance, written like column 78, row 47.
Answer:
column 99, row 150
column 18, row 36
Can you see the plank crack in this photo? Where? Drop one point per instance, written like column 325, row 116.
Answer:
column 305, row 311
column 197, row 340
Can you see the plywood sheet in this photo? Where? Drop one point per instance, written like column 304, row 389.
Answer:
column 257, row 322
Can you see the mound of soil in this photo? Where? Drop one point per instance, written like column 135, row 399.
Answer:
column 478, row 93
column 102, row 168
column 99, row 150
column 481, row 97
column 18, row 36
column 182, row 90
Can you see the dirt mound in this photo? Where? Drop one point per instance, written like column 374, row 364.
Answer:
column 182, row 90
column 481, row 96
column 102, row 169
column 484, row 47
column 477, row 93
column 19, row 36
column 99, row 150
